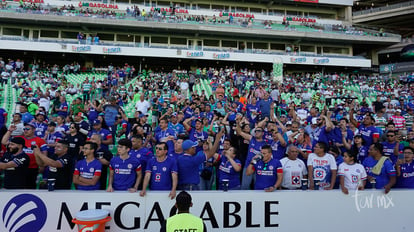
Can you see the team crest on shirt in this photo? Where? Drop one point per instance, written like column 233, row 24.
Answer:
column 295, row 180
column 76, row 140
column 320, row 173
column 271, row 168
column 91, row 170
column 354, row 179
column 164, row 169
column 130, row 166
column 33, row 143
column 139, row 156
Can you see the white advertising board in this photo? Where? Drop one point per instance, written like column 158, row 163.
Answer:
column 284, row 211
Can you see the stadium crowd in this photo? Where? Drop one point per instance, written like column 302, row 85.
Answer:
column 248, row 133
column 175, row 14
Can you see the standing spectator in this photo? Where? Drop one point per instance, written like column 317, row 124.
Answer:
column 125, row 170
column 161, row 172
column 165, row 135
column 30, row 140
column 75, row 141
column 367, row 129
column 398, row 120
column 15, row 164
column 352, row 175
column 88, row 171
column 229, row 169
column 322, row 167
column 405, row 168
column 59, row 166
column 52, row 137
column 104, row 156
column 294, row 169
column 106, row 135
column 142, row 105
column 17, row 121
column 380, row 170
column 268, row 171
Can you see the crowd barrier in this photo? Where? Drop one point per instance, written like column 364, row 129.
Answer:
column 284, row 211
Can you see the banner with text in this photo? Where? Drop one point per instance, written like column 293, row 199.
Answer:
column 283, row 211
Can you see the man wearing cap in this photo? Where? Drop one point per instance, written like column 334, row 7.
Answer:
column 30, row 140
column 106, row 135
column 52, row 137
column 175, row 125
column 59, row 166
column 190, row 161
column 183, row 220
column 15, row 164
column 83, row 124
column 39, row 123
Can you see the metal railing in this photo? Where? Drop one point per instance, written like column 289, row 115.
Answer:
column 383, row 8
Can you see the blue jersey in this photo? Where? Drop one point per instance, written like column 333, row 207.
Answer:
column 362, row 153
column 143, row 155
column 3, row 115
column 178, row 128
column 125, row 172
column 278, row 151
column 266, row 173
column 388, row 150
column 198, row 136
column 383, row 178
column 368, row 133
column 52, row 139
column 254, row 148
column 406, row 179
column 188, row 168
column 161, row 136
column 105, row 134
column 88, row 171
column 226, row 171
column 161, row 173
column 27, row 117
column 252, row 108
column 40, row 130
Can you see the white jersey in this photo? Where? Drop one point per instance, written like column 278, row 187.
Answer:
column 322, row 168
column 293, row 171
column 353, row 175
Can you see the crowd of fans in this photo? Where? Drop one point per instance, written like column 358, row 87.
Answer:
column 171, row 17
column 250, row 133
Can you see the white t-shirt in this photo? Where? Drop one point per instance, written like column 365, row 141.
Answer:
column 293, row 171
column 143, row 106
column 354, row 174
column 322, row 168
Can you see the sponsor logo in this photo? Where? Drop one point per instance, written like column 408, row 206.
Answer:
column 24, row 212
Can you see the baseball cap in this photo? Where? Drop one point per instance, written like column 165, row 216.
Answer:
column 289, row 123
column 40, row 113
column 142, row 115
column 18, row 140
column 30, row 124
column 52, row 124
column 398, row 110
column 187, row 144
column 80, row 114
column 96, row 121
column 314, row 120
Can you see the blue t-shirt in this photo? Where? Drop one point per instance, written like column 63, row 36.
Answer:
column 406, row 180
column 41, row 129
column 88, row 171
column 161, row 173
column 388, row 150
column 188, row 168
column 384, row 177
column 161, row 135
column 368, row 133
column 125, row 172
column 254, row 148
column 226, row 171
column 143, row 155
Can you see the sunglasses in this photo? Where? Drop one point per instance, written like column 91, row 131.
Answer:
column 390, row 136
column 27, row 128
column 159, row 148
